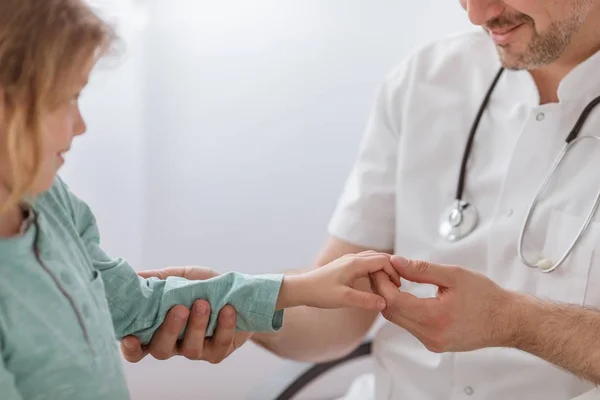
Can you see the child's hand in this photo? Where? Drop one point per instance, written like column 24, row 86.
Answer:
column 332, row 286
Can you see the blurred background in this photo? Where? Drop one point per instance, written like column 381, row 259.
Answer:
column 222, row 136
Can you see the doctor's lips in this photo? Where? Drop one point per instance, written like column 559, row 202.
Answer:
column 503, row 35
column 502, row 29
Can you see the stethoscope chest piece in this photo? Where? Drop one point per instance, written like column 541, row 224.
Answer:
column 458, row 220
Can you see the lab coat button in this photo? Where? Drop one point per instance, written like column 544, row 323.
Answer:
column 509, row 213
column 469, row 391
column 540, row 116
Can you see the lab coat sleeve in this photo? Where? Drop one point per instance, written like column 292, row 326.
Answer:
column 8, row 388
column 365, row 213
column 138, row 306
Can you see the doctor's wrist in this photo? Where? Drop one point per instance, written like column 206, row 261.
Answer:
column 509, row 319
column 523, row 316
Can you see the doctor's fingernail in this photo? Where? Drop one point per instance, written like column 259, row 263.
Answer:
column 403, row 262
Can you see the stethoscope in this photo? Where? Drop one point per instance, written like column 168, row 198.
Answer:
column 460, row 218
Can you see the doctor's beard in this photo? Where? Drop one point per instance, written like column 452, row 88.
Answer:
column 541, row 48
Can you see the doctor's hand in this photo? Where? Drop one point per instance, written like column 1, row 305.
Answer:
column 469, row 311
column 194, row 346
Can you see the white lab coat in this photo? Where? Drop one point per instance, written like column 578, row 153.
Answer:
column 407, row 173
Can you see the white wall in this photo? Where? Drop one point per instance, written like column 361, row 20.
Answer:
column 106, row 166
column 226, row 138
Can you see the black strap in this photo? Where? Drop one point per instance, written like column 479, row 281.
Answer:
column 463, row 166
column 584, row 116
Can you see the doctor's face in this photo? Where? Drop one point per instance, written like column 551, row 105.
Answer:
column 529, row 34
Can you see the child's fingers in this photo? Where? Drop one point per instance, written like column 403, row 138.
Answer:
column 392, row 273
column 405, row 305
column 371, row 253
column 387, row 266
column 382, row 285
column 363, row 266
column 358, row 299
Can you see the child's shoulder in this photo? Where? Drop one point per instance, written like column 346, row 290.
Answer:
column 57, row 201
column 59, row 192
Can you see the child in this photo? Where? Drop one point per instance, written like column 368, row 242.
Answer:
column 63, row 300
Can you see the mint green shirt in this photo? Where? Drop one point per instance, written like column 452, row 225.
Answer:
column 62, row 308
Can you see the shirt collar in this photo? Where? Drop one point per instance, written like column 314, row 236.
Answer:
column 581, row 81
column 28, row 218
column 23, row 243
column 582, row 84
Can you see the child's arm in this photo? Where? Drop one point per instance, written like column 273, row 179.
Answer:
column 138, row 306
column 8, row 389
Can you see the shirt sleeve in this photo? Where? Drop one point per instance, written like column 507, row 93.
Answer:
column 139, row 306
column 8, row 388
column 365, row 213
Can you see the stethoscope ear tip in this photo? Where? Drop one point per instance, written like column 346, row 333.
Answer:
column 544, row 264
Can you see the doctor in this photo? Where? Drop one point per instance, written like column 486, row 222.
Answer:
column 461, row 139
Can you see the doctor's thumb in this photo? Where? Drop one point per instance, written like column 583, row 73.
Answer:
column 419, row 271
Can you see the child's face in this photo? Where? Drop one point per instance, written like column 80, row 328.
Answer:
column 58, row 129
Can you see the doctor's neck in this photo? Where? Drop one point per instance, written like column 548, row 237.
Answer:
column 583, row 45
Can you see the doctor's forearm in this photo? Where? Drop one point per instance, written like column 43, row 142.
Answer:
column 564, row 335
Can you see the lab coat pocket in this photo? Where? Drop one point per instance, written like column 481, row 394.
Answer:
column 568, row 282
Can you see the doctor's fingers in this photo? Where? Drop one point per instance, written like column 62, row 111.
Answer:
column 163, row 344
column 191, row 273
column 436, row 341
column 405, row 305
column 132, row 349
column 192, row 346
column 222, row 343
column 414, row 328
column 419, row 271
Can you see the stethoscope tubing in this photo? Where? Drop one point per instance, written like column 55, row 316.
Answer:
column 570, row 141
column 536, row 201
